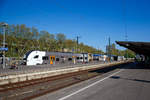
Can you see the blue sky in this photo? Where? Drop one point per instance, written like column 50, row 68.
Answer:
column 93, row 20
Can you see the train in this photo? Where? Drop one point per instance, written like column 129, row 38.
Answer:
column 35, row 57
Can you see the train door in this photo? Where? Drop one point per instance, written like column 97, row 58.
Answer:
column 52, row 59
column 74, row 59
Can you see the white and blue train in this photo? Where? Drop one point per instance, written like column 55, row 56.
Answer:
column 42, row 57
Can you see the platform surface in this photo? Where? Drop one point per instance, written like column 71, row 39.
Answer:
column 129, row 83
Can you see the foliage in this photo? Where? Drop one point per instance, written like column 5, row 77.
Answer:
column 20, row 39
column 126, row 53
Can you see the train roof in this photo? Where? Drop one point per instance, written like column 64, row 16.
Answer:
column 27, row 54
column 56, row 53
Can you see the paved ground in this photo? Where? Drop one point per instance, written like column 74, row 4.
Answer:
column 38, row 68
column 130, row 83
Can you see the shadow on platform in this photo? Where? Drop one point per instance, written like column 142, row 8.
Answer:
column 107, row 69
column 138, row 80
column 135, row 65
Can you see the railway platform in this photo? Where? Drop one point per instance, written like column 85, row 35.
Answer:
column 22, row 69
column 24, row 73
column 129, row 83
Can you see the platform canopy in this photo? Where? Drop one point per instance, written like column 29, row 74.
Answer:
column 137, row 47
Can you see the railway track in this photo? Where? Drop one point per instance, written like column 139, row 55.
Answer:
column 34, row 88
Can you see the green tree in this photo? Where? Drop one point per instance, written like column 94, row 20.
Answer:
column 60, row 37
column 21, row 39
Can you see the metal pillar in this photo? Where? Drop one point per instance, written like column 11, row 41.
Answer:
column 109, row 49
column 77, row 43
column 3, row 47
column 4, row 29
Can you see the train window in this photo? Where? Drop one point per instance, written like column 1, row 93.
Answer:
column 37, row 56
column 45, row 58
column 69, row 59
column 77, row 57
column 57, row 59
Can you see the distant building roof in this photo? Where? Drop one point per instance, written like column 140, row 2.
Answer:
column 138, row 47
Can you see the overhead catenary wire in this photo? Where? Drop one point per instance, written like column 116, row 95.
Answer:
column 125, row 22
column 125, row 19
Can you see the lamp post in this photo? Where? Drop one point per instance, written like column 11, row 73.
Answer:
column 4, row 29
